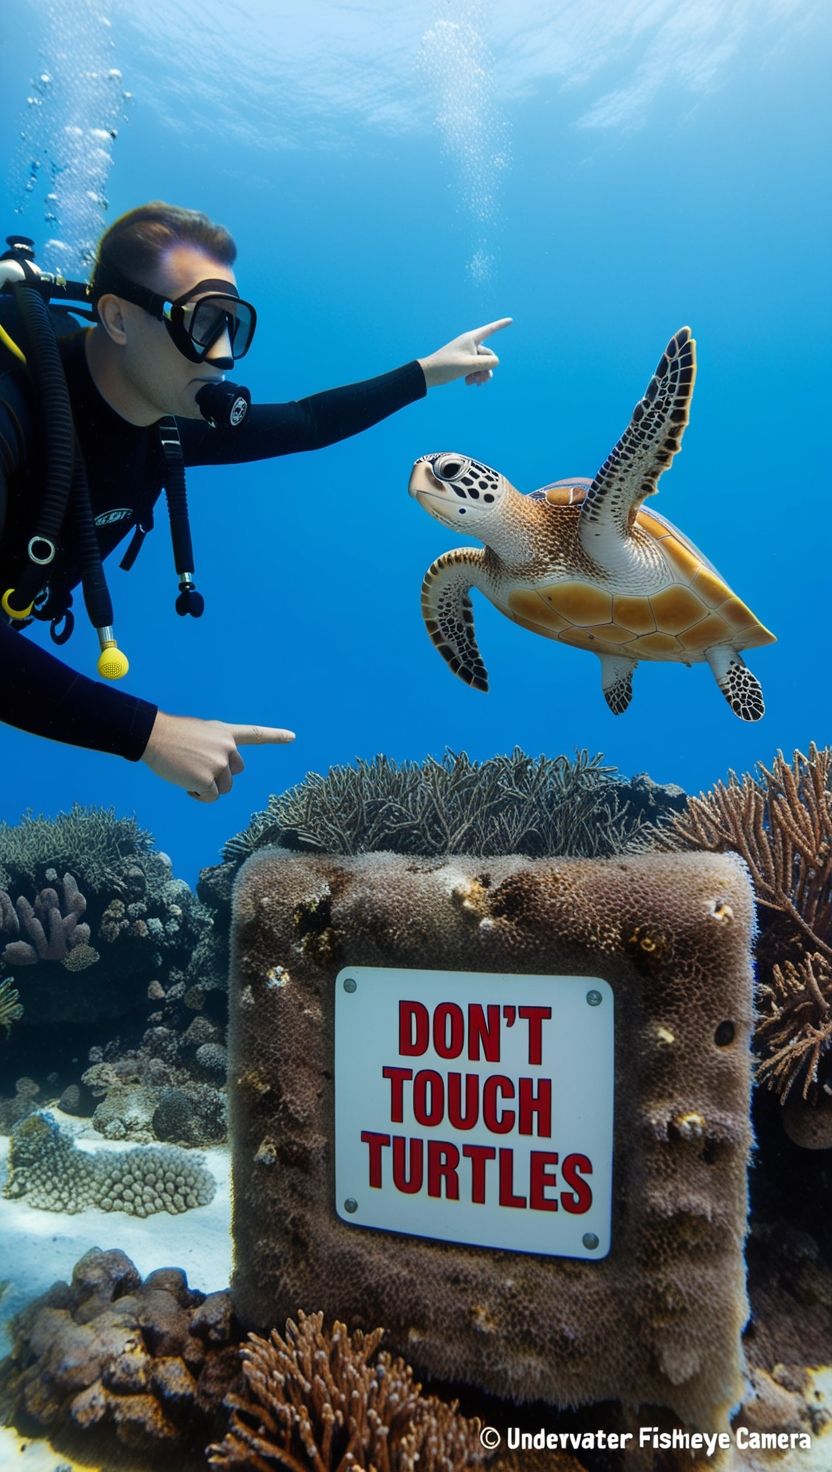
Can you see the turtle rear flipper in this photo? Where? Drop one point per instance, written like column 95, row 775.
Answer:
column 740, row 687
column 631, row 470
column 617, row 681
column 449, row 615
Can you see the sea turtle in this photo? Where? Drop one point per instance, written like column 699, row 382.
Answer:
column 581, row 560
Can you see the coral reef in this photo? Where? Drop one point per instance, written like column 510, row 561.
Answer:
column 21, row 1104
column 109, row 1361
column 795, row 1028
column 790, row 1285
column 781, row 824
column 10, row 1007
column 156, row 970
column 147, row 1362
column 158, row 1090
column 51, row 925
column 507, row 804
column 47, row 1167
column 95, row 835
column 659, row 1319
column 147, row 926
column 169, row 1086
column 325, row 1399
column 782, row 827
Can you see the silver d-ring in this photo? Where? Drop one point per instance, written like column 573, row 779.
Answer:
column 41, row 542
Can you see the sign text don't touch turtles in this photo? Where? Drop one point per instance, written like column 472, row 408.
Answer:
column 476, row 1107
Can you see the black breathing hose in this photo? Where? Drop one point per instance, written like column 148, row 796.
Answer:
column 46, row 369
column 96, row 593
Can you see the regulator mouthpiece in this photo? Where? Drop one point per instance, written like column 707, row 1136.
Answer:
column 224, row 405
column 189, row 600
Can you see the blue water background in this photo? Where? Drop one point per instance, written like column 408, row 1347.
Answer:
column 706, row 203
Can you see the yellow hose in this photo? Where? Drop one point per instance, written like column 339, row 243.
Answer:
column 11, row 345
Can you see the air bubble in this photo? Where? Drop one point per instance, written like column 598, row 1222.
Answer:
column 71, row 118
column 456, row 66
column 481, row 266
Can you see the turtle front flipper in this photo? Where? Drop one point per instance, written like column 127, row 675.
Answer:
column 449, row 616
column 617, row 681
column 740, row 687
column 631, row 470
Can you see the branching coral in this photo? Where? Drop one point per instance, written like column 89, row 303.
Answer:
column 321, row 1401
column 51, row 924
column 781, row 824
column 507, row 804
column 94, row 835
column 782, row 827
column 796, row 1029
column 10, row 1008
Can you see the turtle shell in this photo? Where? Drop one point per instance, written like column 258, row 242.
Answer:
column 694, row 611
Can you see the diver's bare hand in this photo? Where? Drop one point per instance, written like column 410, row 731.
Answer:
column 202, row 756
column 466, row 357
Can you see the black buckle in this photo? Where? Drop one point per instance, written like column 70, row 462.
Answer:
column 139, row 533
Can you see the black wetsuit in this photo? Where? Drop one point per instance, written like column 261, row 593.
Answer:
column 39, row 693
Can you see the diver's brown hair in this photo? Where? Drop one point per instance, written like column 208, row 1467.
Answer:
column 137, row 240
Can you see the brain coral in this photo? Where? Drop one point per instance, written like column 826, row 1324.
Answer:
column 47, row 1167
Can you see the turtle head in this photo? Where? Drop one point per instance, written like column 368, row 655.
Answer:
column 459, row 491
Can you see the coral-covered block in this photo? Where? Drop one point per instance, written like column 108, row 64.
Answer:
column 657, row 1321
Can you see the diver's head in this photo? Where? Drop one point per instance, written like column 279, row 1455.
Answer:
column 168, row 307
column 460, row 491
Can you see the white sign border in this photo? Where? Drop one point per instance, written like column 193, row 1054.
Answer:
column 361, row 1104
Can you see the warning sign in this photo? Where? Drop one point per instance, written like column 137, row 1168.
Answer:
column 476, row 1107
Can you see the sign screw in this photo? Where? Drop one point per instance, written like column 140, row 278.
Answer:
column 352, row 1205
column 594, row 999
column 350, row 984
column 590, row 1241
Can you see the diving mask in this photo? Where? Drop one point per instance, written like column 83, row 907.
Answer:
column 194, row 326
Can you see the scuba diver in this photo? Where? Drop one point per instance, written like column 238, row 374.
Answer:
column 96, row 421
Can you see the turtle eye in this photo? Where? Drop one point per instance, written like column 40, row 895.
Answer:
column 450, row 467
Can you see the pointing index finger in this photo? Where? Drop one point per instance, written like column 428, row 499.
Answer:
column 261, row 735
column 480, row 332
